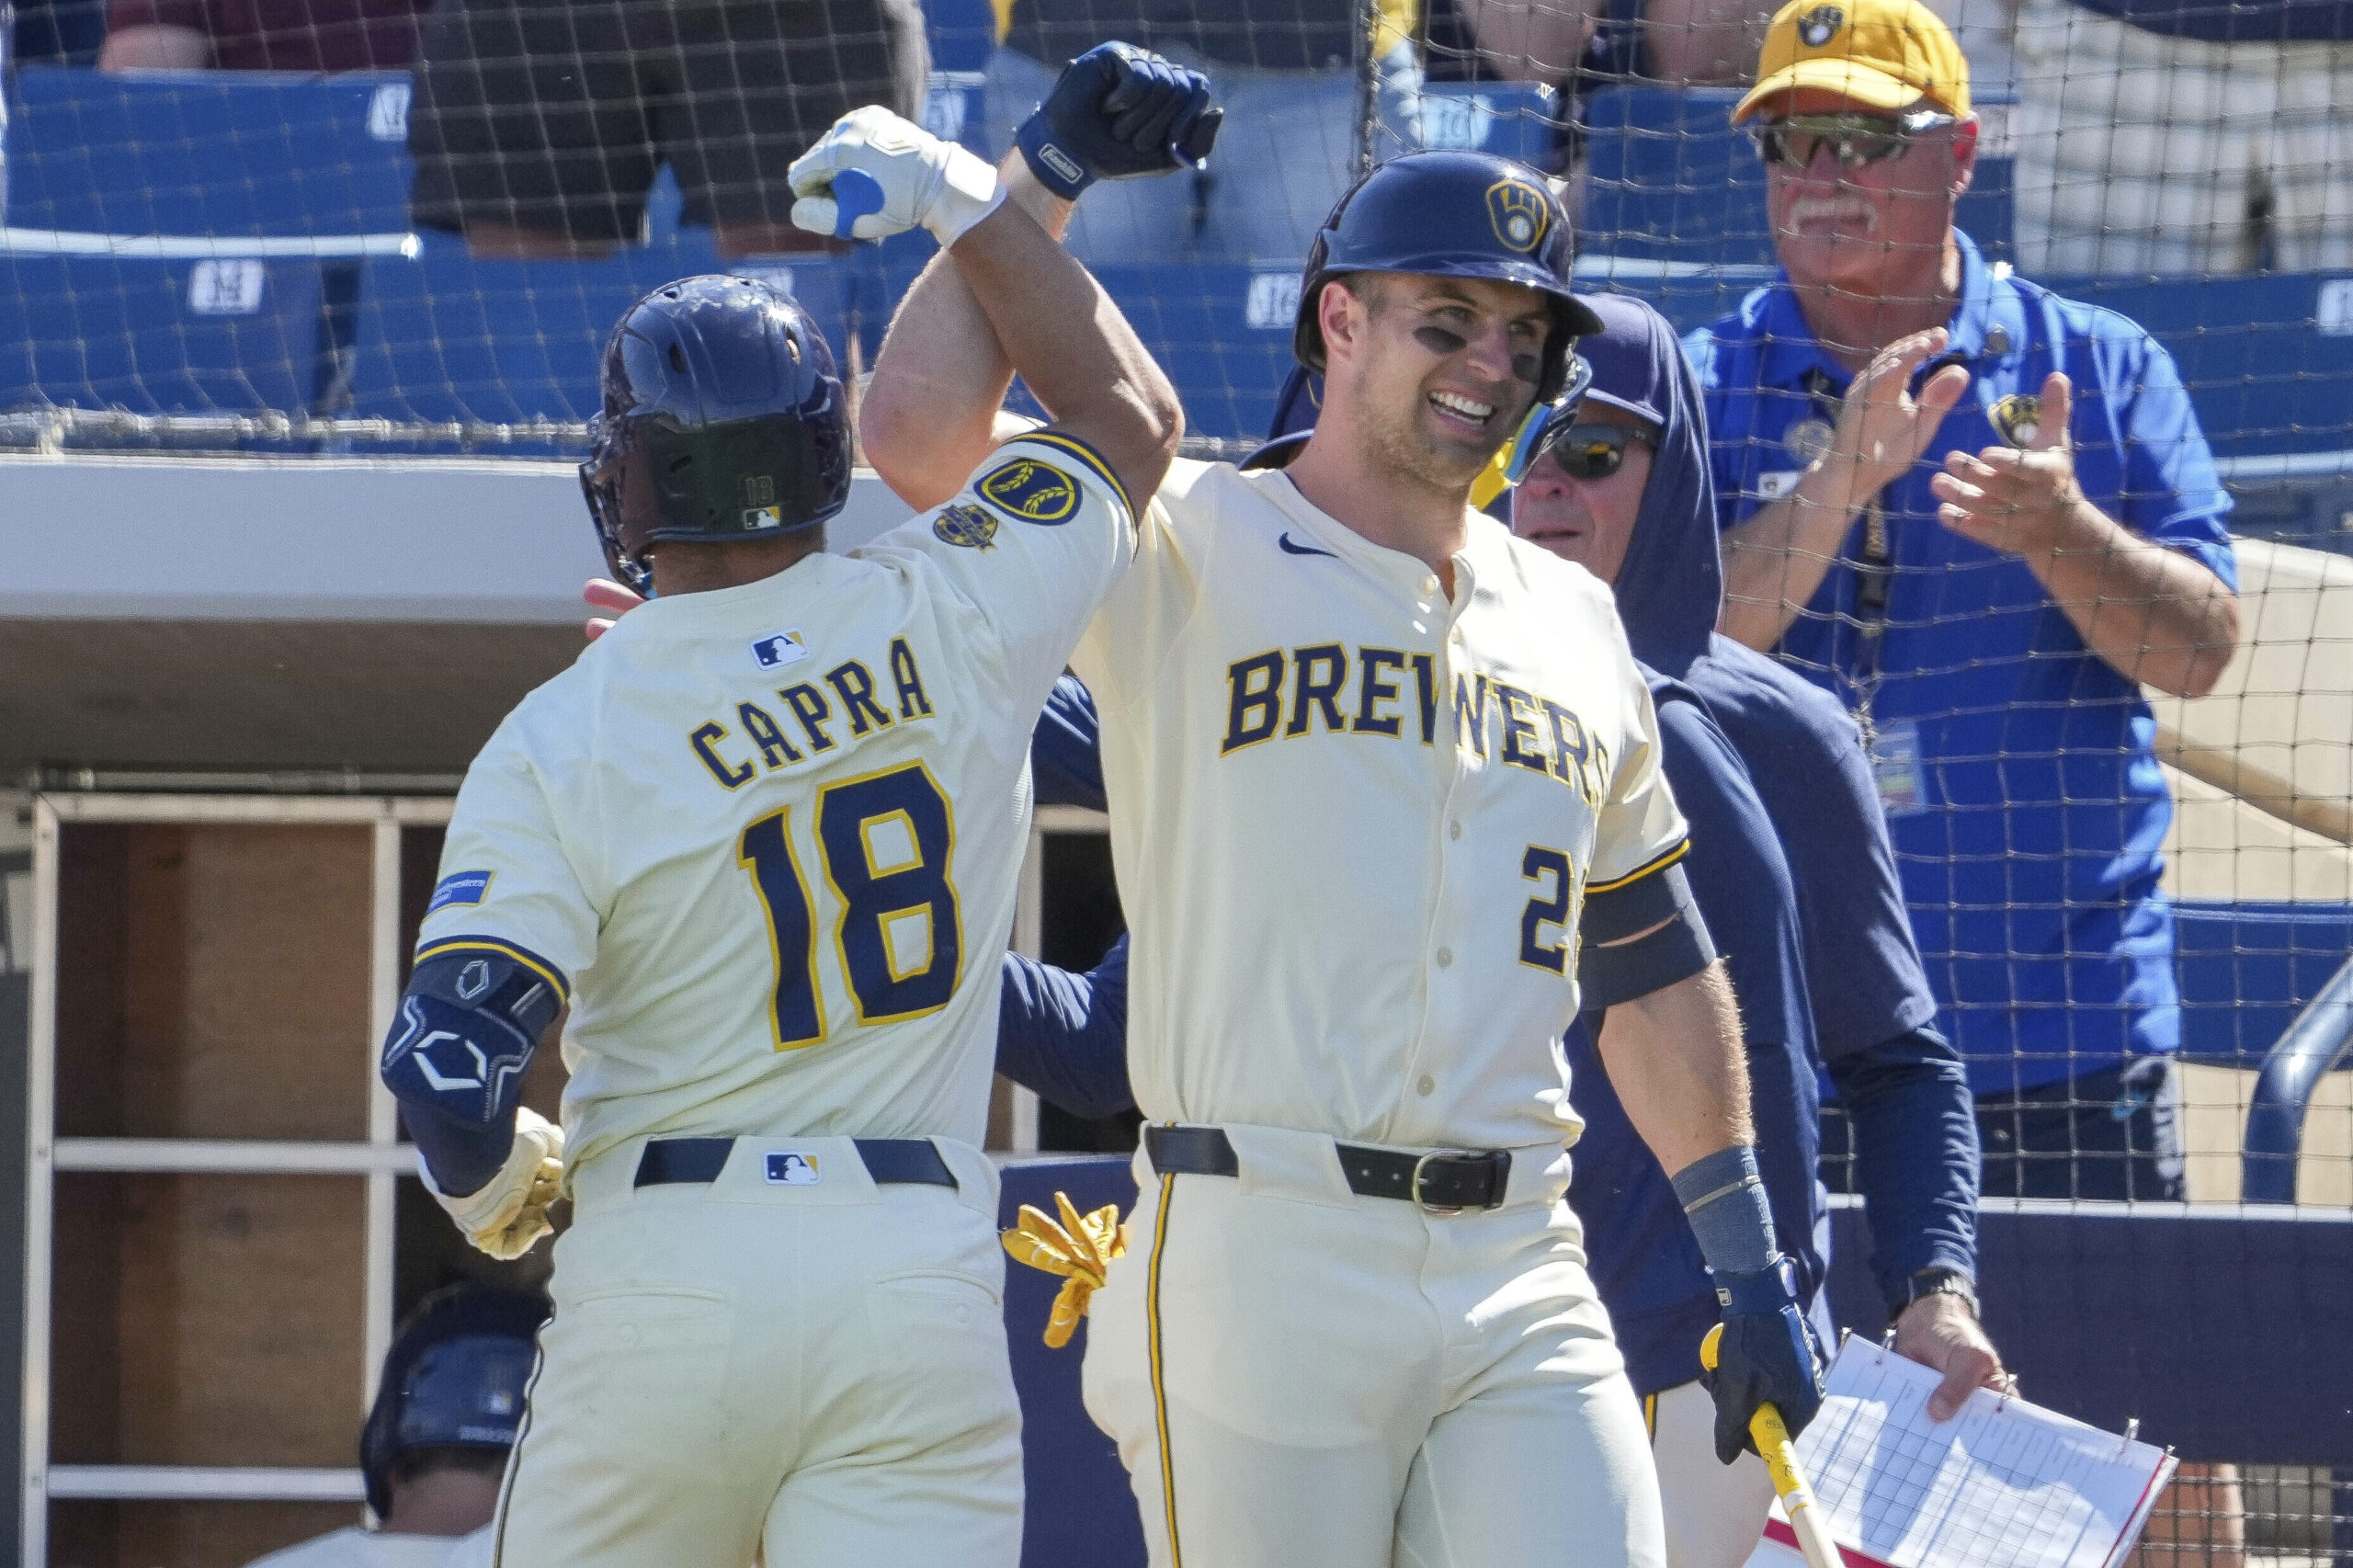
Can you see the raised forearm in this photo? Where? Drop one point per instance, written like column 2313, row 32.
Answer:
column 2157, row 616
column 1775, row 561
column 1070, row 342
column 928, row 416
column 1674, row 1057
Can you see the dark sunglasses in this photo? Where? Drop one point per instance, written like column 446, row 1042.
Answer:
column 1853, row 139
column 1592, row 452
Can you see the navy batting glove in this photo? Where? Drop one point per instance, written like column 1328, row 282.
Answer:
column 1119, row 112
column 1765, row 1357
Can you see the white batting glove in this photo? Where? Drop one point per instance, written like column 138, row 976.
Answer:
column 875, row 175
column 508, row 1216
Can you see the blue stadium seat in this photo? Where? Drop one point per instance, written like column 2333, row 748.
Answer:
column 1512, row 119
column 443, row 337
column 2263, row 354
column 207, row 152
column 2246, row 969
column 1670, row 179
column 962, row 34
column 159, row 336
column 1221, row 333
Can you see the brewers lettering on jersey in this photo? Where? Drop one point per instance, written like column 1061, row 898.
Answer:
column 1385, row 800
column 763, row 840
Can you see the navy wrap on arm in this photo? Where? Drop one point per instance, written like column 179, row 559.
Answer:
column 1064, row 1036
column 473, row 1013
column 1676, row 950
column 1914, row 1136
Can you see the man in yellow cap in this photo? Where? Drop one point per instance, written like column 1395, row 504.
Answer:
column 1984, row 516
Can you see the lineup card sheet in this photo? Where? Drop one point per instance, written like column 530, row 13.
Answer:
column 2002, row 1484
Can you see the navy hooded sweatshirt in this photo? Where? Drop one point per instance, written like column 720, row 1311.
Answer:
column 1796, row 810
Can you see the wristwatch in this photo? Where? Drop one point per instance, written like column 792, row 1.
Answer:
column 1941, row 1282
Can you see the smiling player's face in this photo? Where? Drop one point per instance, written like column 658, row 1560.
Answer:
column 1446, row 369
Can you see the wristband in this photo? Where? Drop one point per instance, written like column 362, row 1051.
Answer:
column 1723, row 1197
column 1056, row 167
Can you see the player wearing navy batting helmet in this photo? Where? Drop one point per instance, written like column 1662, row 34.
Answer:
column 761, row 843
column 449, row 1401
column 1375, row 771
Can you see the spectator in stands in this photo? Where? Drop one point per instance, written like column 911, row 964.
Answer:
column 2185, row 136
column 435, row 1448
column 1985, row 565
column 1984, row 516
column 260, row 35
column 1285, row 73
column 539, row 125
column 1693, row 42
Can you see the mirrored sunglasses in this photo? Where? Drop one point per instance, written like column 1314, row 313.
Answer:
column 1592, row 452
column 1854, row 140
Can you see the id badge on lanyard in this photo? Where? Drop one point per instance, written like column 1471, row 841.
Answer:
column 1894, row 748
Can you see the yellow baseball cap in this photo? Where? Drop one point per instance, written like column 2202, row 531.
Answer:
column 1885, row 54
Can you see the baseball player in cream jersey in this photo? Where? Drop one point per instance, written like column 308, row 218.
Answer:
column 1386, row 797
column 764, row 840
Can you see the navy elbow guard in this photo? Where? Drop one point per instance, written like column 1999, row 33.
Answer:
column 1675, row 950
column 455, row 1058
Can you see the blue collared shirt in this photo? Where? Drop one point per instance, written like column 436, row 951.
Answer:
column 2025, row 802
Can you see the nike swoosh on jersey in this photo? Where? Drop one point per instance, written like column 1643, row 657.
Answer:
column 1290, row 548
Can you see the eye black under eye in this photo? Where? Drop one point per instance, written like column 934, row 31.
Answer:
column 1438, row 340
column 1526, row 367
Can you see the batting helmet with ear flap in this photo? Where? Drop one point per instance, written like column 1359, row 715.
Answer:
column 723, row 412
column 455, row 1377
column 1452, row 214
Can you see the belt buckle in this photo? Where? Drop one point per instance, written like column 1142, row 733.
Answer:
column 1413, row 1188
column 1497, row 1160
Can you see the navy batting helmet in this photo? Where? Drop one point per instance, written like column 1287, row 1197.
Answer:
column 455, row 1377
column 723, row 419
column 1452, row 214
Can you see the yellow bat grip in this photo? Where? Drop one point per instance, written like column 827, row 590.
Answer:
column 1781, row 1463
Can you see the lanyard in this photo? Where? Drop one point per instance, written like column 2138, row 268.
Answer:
column 1874, row 576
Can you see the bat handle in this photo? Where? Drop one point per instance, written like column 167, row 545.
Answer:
column 1797, row 1498
column 1771, row 1435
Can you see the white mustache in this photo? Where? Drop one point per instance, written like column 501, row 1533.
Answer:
column 1807, row 209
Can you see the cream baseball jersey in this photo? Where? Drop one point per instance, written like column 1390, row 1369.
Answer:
column 767, row 839
column 1354, row 820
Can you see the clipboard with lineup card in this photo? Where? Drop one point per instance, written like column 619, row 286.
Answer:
column 2002, row 1484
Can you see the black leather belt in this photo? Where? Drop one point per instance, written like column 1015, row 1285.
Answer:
column 1444, row 1181
column 888, row 1161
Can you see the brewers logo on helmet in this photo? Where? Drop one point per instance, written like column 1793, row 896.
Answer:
column 1452, row 214
column 1520, row 214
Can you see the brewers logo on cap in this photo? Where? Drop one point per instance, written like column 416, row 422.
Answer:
column 1821, row 25
column 1031, row 491
column 2017, row 420
column 1519, row 212
column 965, row 525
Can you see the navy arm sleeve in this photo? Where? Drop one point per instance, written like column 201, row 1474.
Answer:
column 1741, row 884
column 1065, row 1036
column 1914, row 1133
column 1065, row 756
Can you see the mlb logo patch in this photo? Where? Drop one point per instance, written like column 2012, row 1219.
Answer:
column 779, row 649
column 794, row 1169
column 460, row 887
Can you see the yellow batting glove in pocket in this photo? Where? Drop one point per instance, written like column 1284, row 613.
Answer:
column 1080, row 1248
